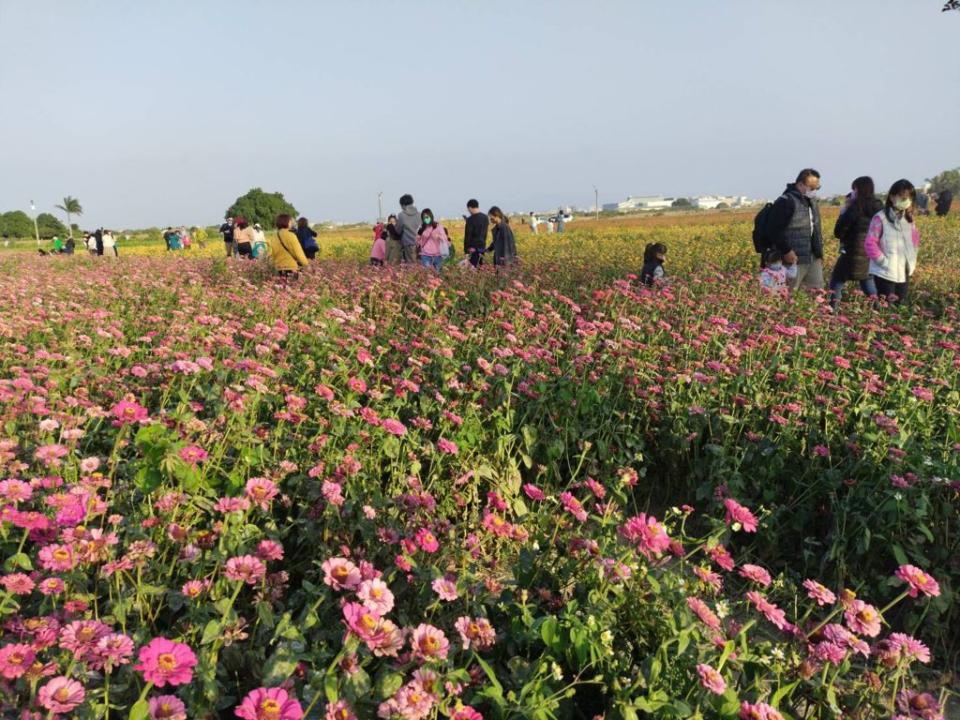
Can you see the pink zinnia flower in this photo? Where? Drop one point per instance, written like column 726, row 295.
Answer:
column 647, row 533
column 339, row 711
column 429, row 643
column 15, row 491
column 394, row 427
column 50, row 455
column 445, row 589
column 114, row 650
column 61, row 695
column 711, row 679
column 816, row 591
column 340, row 574
column 573, row 506
column 17, row 584
column 466, row 713
column 261, row 491
column 737, row 513
column 89, row 464
column 362, row 621
column 81, row 637
column 533, row 492
column 269, row 550
column 755, row 573
column 722, row 557
column 862, row 618
column 447, row 446
column 269, row 704
column 709, row 577
column 376, row 596
column 245, row 568
column 164, row 662
column 231, row 504
column 771, row 612
column 758, row 711
column 918, row 581
column 909, row 647
column 127, row 412
column 193, row 454
column 195, row 588
column 167, row 707
column 475, row 633
column 15, row 660
column 427, row 541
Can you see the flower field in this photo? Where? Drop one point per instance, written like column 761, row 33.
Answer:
column 545, row 493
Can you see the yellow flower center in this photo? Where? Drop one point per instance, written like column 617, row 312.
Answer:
column 166, row 661
column 269, row 709
column 368, row 621
column 62, row 694
column 15, row 659
column 61, row 554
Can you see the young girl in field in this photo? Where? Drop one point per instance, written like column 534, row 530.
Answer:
column 654, row 255
column 378, row 253
column 504, row 245
column 773, row 275
column 432, row 241
column 892, row 242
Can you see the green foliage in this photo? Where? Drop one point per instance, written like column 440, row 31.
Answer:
column 681, row 203
column 261, row 207
column 49, row 225
column 947, row 180
column 16, row 224
column 71, row 206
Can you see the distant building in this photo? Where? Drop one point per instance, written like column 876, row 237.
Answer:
column 640, row 202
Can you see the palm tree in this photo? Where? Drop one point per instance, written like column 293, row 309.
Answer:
column 71, row 206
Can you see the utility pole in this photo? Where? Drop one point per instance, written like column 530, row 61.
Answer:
column 596, row 203
column 36, row 228
column 380, row 206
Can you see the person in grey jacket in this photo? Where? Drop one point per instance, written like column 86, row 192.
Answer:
column 408, row 224
column 794, row 227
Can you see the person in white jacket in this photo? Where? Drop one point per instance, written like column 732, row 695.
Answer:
column 109, row 244
column 892, row 242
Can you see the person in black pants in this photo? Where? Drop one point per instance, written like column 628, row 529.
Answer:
column 475, row 233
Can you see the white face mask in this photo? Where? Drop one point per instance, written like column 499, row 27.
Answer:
column 792, row 271
column 810, row 194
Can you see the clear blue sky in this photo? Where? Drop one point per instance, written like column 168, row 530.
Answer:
column 163, row 111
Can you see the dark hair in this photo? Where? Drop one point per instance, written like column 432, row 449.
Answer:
column 433, row 218
column 651, row 251
column 865, row 191
column 391, row 216
column 773, row 255
column 406, row 200
column 496, row 212
column 241, row 223
column 283, row 221
column 898, row 188
column 303, row 222
column 472, row 203
column 807, row 173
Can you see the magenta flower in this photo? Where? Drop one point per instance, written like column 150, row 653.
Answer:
column 445, row 589
column 61, row 695
column 704, row 613
column 15, row 659
column 114, row 650
column 755, row 573
column 758, row 711
column 269, row 550
column 362, row 621
column 862, row 618
column 165, row 662
column 376, row 596
column 533, row 492
column 269, row 704
column 261, row 491
column 394, row 427
column 477, row 634
column 429, row 643
column 192, row 454
column 127, row 412
column 245, row 568
column 167, row 707
column 447, row 446
column 816, row 591
column 340, row 574
column 427, row 541
column 466, row 713
column 918, row 581
column 647, row 533
column 711, row 679
column 17, row 584
column 339, row 711
column 737, row 513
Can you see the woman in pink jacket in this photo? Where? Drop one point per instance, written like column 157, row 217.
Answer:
column 432, row 241
column 892, row 242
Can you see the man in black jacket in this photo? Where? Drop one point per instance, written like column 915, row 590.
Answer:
column 944, row 201
column 475, row 233
column 794, row 229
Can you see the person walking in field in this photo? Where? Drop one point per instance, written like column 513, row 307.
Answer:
column 433, row 244
column 534, row 223
column 109, row 245
column 98, row 240
column 892, row 242
column 408, row 225
column 503, row 245
column 851, row 230
column 475, row 233
column 285, row 251
column 259, row 242
column 308, row 238
column 200, row 235
column 378, row 252
column 227, row 231
column 243, row 237
column 393, row 241
column 793, row 228
column 944, row 201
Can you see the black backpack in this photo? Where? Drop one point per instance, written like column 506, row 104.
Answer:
column 761, row 239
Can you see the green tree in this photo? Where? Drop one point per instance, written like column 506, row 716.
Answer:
column 261, row 207
column 71, row 206
column 16, row 224
column 681, row 203
column 49, row 225
column 947, row 180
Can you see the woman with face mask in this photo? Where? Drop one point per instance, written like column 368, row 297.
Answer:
column 851, row 230
column 432, row 241
column 892, row 242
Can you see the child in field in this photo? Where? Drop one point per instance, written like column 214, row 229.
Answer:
column 773, row 275
column 378, row 253
column 654, row 255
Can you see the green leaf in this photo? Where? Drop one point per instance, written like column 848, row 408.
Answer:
column 492, row 676
column 782, row 692
column 900, row 555
column 139, row 711
column 280, row 666
column 211, row 632
column 388, row 684
column 19, row 560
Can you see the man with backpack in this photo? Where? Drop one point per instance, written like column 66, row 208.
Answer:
column 791, row 226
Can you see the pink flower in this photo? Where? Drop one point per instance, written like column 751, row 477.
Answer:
column 816, row 591
column 165, row 662
column 394, row 427
column 195, row 588
column 429, row 643
column 573, row 506
column 737, row 513
column 15, row 659
column 533, row 492
column 50, row 455
column 445, row 589
column 127, row 412
column 339, row 711
column 17, row 584
column 758, row 711
column 647, row 533
column 269, row 550
column 704, row 613
column 332, row 493
column 919, row 705
column 193, row 454
column 755, row 573
column 269, row 704
column 376, row 596
column 447, row 446
column 475, row 633
column 466, row 713
column 340, row 574
column 167, row 707
column 711, row 679
column 232, row 504
column 427, row 541
column 862, row 618
column 909, row 647
column 114, row 650
column 722, row 557
column 57, row 558
column 771, row 612
column 918, row 581
column 15, row 491
column 89, row 464
column 245, row 568
column 261, row 491
column 61, row 695
column 81, row 637
column 709, row 577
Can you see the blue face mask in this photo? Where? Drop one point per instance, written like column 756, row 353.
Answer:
column 427, row 220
